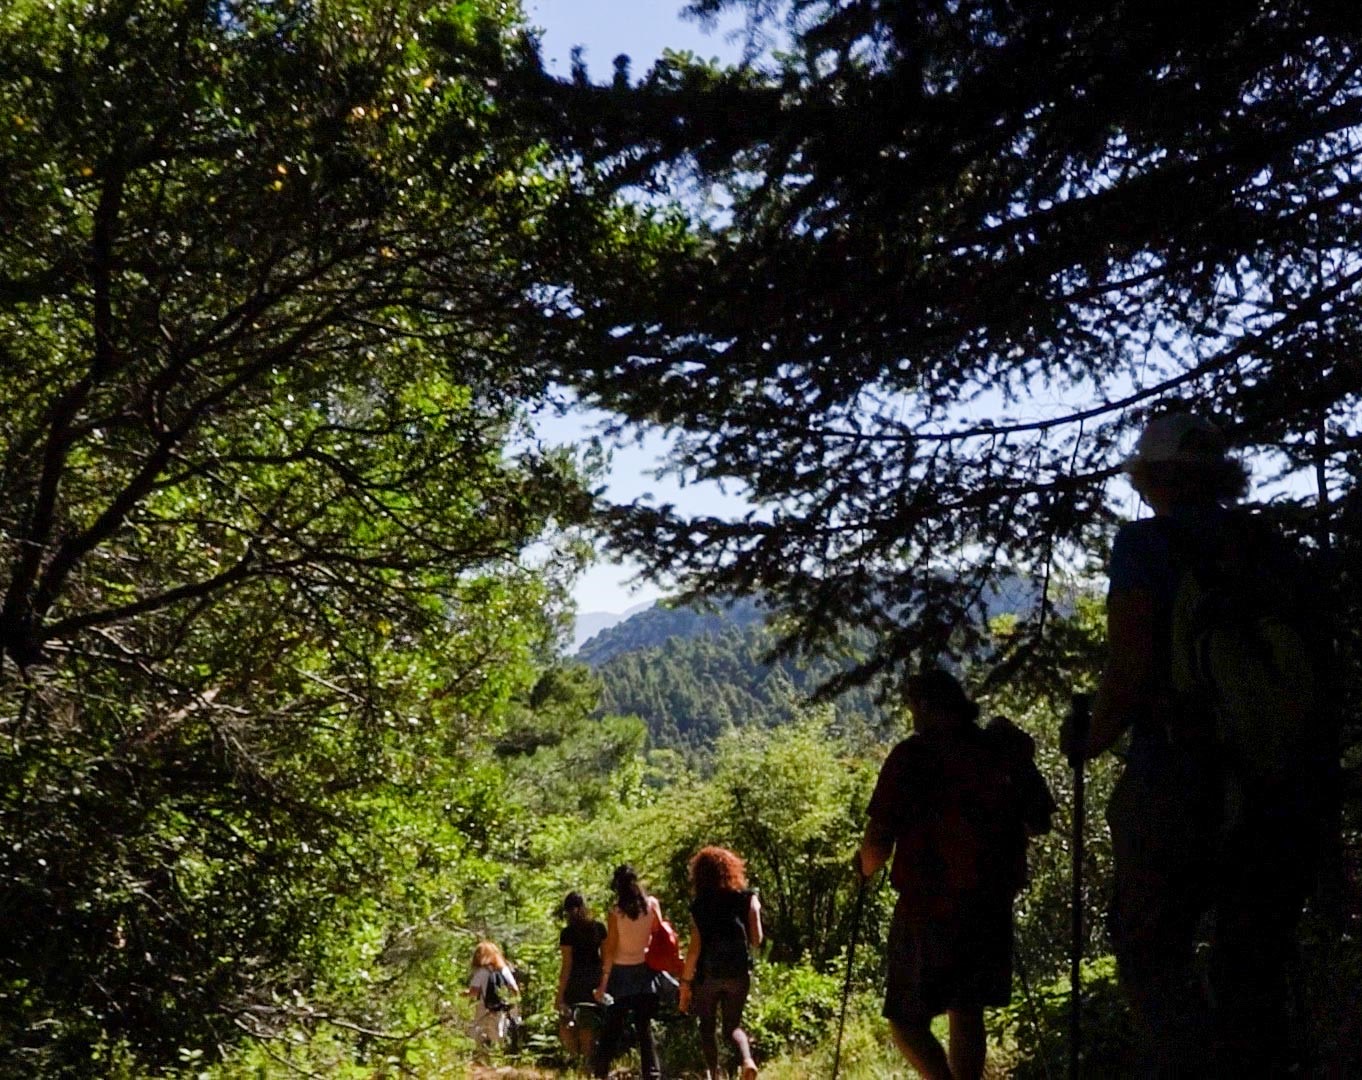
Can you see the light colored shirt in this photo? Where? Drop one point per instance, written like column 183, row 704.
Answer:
column 634, row 933
column 481, row 977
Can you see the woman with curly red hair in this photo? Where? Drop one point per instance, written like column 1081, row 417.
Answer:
column 725, row 925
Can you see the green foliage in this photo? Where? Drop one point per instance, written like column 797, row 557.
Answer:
column 792, row 1007
column 267, row 503
column 1072, row 653
column 1032, row 1032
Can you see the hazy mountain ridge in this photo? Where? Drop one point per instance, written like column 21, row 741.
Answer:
column 690, row 673
column 590, row 623
column 656, row 624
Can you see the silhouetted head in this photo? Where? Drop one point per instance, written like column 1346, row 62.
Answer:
column 938, row 701
column 1181, row 458
column 574, row 907
column 629, row 895
column 716, row 869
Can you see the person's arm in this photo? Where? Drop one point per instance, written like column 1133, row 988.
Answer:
column 608, row 951
column 1129, row 672
column 475, row 985
column 688, row 969
column 886, row 807
column 755, row 934
column 876, row 846
column 564, row 973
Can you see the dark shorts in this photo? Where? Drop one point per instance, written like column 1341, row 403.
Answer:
column 963, row 962
column 632, row 980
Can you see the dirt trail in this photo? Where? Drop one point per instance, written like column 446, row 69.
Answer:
column 523, row 1072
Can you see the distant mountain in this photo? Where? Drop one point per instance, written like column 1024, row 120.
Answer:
column 590, row 623
column 656, row 624
column 691, row 673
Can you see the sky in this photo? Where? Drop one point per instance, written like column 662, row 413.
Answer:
column 606, row 28
column 642, row 29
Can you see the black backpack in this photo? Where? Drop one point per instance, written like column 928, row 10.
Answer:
column 494, row 994
column 1242, row 654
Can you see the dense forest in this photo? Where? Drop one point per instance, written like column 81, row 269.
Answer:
column 692, row 676
column 287, row 723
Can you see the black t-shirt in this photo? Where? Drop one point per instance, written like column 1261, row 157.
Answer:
column 585, row 940
column 721, row 918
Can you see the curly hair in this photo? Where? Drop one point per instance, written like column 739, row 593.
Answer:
column 716, row 869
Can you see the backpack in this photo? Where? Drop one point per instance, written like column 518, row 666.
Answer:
column 495, row 994
column 966, row 845
column 664, row 949
column 1240, row 657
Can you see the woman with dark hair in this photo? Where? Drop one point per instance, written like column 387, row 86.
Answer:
column 579, row 946
column 628, row 986
column 725, row 925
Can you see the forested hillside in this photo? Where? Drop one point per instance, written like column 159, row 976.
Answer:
column 689, row 691
column 664, row 622
column 692, row 672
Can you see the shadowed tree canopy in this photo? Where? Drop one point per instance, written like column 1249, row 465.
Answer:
column 954, row 254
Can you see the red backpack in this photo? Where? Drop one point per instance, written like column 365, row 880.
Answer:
column 664, row 949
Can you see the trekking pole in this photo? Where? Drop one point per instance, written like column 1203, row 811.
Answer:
column 1080, row 713
column 851, row 952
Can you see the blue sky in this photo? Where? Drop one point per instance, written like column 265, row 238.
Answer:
column 642, row 29
column 606, row 28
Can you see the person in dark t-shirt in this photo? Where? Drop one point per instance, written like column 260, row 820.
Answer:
column 1182, row 859
column 725, row 925
column 954, row 804
column 579, row 946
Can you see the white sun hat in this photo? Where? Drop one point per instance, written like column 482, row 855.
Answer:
column 1179, row 438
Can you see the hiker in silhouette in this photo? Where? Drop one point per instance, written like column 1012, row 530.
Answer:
column 579, row 972
column 954, row 805
column 628, row 987
column 1209, row 671
column 725, row 925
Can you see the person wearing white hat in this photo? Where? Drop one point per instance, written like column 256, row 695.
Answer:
column 1177, row 858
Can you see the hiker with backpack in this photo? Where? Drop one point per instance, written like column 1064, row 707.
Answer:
column 579, row 946
column 493, row 989
column 725, row 926
column 628, row 986
column 954, row 804
column 1213, row 670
